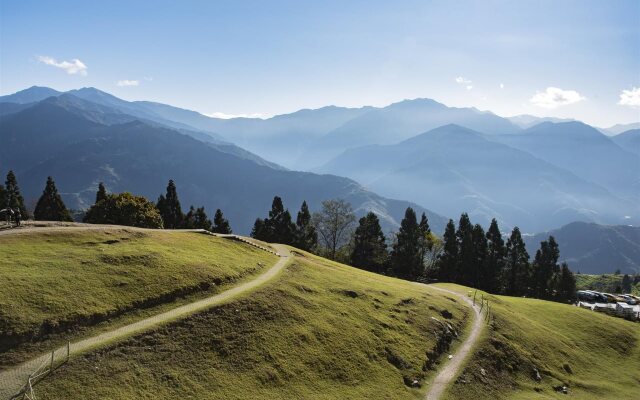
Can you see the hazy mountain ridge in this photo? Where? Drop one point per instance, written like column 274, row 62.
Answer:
column 595, row 249
column 454, row 170
column 55, row 137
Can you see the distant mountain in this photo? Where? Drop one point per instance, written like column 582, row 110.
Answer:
column 30, row 95
column 629, row 140
column 619, row 128
column 398, row 122
column 525, row 121
column 585, row 151
column 595, row 249
column 454, row 170
column 80, row 144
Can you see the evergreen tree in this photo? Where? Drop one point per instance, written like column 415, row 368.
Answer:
column 425, row 232
column 480, row 250
column 14, row 198
column 3, row 197
column 494, row 265
column 220, row 224
column 447, row 265
column 545, row 268
column 566, row 285
column 50, row 206
column 369, row 246
column 466, row 258
column 405, row 256
column 189, row 220
column 102, row 192
column 517, row 265
column 278, row 227
column 169, row 207
column 306, row 235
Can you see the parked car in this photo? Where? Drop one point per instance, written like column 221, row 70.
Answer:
column 629, row 299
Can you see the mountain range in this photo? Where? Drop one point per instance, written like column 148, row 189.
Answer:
column 537, row 173
column 81, row 143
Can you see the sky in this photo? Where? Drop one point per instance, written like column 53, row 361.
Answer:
column 568, row 59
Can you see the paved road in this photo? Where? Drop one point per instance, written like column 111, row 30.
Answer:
column 12, row 380
column 452, row 367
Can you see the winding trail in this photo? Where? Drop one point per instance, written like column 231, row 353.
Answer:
column 452, row 367
column 12, row 380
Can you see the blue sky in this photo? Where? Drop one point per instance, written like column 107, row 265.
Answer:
column 266, row 58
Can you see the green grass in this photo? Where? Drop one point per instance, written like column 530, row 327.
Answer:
column 603, row 283
column 596, row 355
column 322, row 330
column 57, row 281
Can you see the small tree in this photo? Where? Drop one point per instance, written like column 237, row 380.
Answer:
column 50, row 206
column 170, row 209
column 101, row 194
column 406, row 257
column 13, row 196
column 278, row 227
column 124, row 209
column 626, row 283
column 517, row 265
column 334, row 223
column 447, row 265
column 306, row 237
column 369, row 247
column 220, row 224
column 494, row 267
column 566, row 284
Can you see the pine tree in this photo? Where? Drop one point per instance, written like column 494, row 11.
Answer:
column 480, row 250
column 278, row 227
column 306, row 235
column 466, row 259
column 545, row 269
column 14, row 198
column 517, row 265
column 220, row 224
column 50, row 206
column 369, row 246
column 189, row 220
column 494, row 265
column 447, row 265
column 425, row 232
column 405, row 256
column 102, row 192
column 566, row 284
column 169, row 207
column 3, row 197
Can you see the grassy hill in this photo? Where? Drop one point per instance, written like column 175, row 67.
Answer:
column 594, row 355
column 61, row 284
column 322, row 330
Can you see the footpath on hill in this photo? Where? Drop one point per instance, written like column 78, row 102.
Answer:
column 452, row 367
column 12, row 380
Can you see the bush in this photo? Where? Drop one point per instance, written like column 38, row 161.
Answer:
column 124, row 209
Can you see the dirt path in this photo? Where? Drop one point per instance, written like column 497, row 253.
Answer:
column 452, row 367
column 12, row 380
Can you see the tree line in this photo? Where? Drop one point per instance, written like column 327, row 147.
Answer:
column 465, row 254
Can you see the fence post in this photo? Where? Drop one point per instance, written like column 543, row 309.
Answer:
column 52, row 356
column 481, row 306
column 68, row 349
column 474, row 297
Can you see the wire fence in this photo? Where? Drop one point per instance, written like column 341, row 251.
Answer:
column 19, row 382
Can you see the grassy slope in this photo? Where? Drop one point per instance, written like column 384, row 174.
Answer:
column 322, row 330
column 598, row 356
column 48, row 277
column 603, row 283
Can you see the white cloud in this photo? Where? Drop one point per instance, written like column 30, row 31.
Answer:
column 462, row 81
column 72, row 67
column 469, row 87
column 554, row 97
column 222, row 115
column 630, row 97
column 502, row 86
column 148, row 78
column 127, row 82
